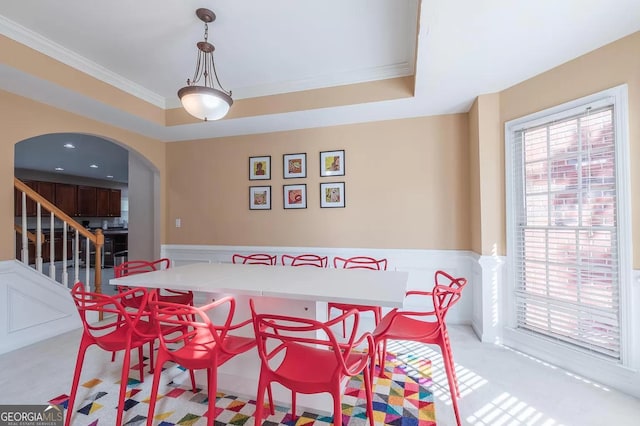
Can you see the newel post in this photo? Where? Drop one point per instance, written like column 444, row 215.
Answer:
column 98, row 260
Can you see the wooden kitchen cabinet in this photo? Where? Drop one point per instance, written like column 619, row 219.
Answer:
column 87, row 201
column 108, row 202
column 65, row 196
column 74, row 200
column 115, row 196
column 102, row 202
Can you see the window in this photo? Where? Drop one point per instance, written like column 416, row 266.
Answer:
column 564, row 225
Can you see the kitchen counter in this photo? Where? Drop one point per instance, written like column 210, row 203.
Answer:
column 115, row 231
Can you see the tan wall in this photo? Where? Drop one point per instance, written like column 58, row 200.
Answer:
column 609, row 66
column 491, row 169
column 475, row 224
column 406, row 187
column 23, row 118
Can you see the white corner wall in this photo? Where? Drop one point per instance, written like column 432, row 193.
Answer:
column 32, row 307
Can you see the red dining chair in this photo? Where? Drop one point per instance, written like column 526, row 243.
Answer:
column 122, row 330
column 294, row 357
column 425, row 327
column 198, row 344
column 304, row 260
column 357, row 262
column 141, row 266
column 255, row 259
column 133, row 267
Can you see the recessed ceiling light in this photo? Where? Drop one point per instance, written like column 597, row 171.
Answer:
column 109, row 176
column 69, row 145
column 93, row 166
column 59, row 169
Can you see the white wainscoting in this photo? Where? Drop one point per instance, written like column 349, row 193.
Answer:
column 421, row 265
column 34, row 307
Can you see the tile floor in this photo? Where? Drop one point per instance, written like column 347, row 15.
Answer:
column 499, row 385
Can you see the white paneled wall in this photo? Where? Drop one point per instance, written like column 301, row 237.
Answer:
column 421, row 265
column 34, row 307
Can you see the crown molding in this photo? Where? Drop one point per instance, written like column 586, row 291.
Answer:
column 47, row 47
column 403, row 69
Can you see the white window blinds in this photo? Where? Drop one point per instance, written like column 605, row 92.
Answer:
column 565, row 232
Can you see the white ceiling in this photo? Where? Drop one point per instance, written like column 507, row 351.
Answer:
column 147, row 47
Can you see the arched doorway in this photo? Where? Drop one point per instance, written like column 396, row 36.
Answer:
column 101, row 162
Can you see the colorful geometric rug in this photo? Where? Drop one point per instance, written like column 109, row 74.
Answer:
column 402, row 398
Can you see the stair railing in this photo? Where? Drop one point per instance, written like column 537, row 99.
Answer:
column 58, row 219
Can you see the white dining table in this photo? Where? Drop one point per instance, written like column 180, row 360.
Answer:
column 286, row 290
column 358, row 286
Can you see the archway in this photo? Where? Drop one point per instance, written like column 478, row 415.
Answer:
column 102, row 162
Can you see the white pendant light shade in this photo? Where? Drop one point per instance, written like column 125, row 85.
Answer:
column 205, row 103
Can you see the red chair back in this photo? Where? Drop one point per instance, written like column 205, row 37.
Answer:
column 110, row 333
column 133, row 267
column 304, row 260
column 445, row 295
column 197, row 343
column 198, row 340
column 255, row 259
column 360, row 262
column 163, row 263
column 289, row 349
column 121, row 329
column 425, row 327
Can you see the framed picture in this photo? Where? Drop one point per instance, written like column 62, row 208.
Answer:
column 332, row 194
column 332, row 163
column 259, row 198
column 260, row 168
column 294, row 166
column 295, row 196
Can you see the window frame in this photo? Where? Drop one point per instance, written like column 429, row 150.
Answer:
column 559, row 352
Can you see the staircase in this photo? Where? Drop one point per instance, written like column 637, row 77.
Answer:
column 74, row 239
column 34, row 288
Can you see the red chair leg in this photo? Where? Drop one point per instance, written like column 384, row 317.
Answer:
column 344, row 326
column 270, row 394
column 140, row 364
column 452, row 387
column 258, row 415
column 367, row 376
column 383, row 358
column 446, row 349
column 76, row 379
column 337, row 406
column 151, row 364
column 154, row 391
column 124, row 379
column 193, row 381
column 293, row 405
column 212, row 386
